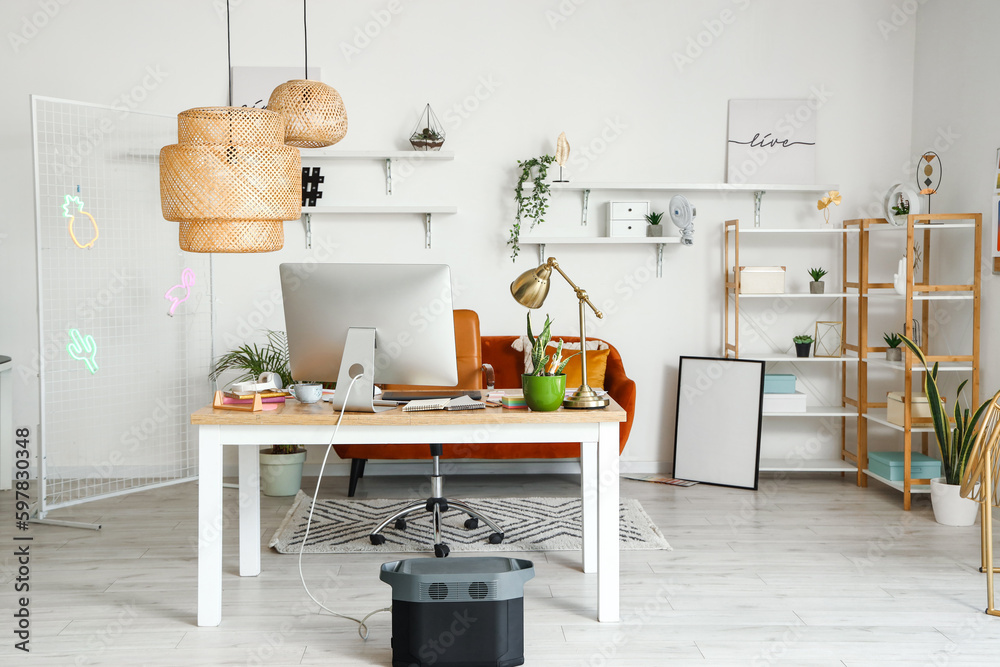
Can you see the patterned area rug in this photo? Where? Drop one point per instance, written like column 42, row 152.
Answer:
column 530, row 524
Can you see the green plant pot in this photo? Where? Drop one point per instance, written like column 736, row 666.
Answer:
column 544, row 393
column 281, row 474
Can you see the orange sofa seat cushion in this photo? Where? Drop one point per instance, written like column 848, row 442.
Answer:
column 597, row 365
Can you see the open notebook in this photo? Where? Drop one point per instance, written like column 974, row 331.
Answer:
column 460, row 403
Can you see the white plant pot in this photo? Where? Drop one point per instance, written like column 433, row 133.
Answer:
column 281, row 474
column 950, row 508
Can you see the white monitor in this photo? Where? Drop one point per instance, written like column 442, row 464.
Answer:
column 389, row 323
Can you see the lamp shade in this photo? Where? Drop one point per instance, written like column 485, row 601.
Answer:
column 531, row 287
column 314, row 113
column 229, row 180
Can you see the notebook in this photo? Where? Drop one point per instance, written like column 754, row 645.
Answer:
column 426, row 404
column 465, row 403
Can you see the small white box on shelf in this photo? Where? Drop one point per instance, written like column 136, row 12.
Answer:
column 627, row 218
column 784, row 402
column 627, row 228
column 919, row 408
column 762, row 279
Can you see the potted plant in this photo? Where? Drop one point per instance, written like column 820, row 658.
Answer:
column 895, row 352
column 545, row 386
column 281, row 466
column 901, row 210
column 654, row 228
column 817, row 285
column 955, row 444
column 530, row 206
column 802, row 345
column 428, row 134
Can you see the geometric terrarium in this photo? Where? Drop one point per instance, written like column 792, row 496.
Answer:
column 428, row 133
column 829, row 339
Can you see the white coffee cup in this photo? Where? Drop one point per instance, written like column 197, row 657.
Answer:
column 306, row 392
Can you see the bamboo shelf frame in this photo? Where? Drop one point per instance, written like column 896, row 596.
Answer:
column 917, row 298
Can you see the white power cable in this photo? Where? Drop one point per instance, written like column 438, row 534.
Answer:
column 362, row 627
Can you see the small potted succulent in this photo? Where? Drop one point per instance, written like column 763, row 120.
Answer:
column 545, row 386
column 428, row 134
column 895, row 352
column 654, row 228
column 817, row 285
column 802, row 345
column 901, row 210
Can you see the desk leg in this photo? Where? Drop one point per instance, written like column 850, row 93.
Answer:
column 607, row 524
column 209, row 525
column 249, row 495
column 589, row 480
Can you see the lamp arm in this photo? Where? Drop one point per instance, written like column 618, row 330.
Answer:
column 581, row 293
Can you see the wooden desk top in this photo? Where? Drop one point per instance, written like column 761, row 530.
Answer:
column 293, row 413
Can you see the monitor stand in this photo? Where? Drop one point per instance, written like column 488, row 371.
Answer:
column 359, row 358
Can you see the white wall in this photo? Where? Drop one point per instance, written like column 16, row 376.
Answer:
column 506, row 78
column 955, row 95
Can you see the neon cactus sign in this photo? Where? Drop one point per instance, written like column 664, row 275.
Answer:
column 83, row 348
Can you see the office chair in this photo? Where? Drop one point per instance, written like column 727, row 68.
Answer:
column 471, row 370
column 979, row 483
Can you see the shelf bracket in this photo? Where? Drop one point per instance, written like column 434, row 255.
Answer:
column 586, row 204
column 541, row 253
column 307, row 220
column 758, row 197
column 427, row 230
column 388, row 175
column 659, row 260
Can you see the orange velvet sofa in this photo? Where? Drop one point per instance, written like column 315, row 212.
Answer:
column 508, row 364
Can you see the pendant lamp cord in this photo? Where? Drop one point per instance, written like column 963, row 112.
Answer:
column 229, row 55
column 305, row 41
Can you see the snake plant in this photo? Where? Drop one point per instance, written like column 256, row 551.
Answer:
column 540, row 360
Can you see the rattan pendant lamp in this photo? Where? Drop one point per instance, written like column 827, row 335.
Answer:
column 229, row 180
column 314, row 112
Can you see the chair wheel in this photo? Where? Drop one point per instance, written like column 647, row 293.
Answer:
column 472, row 523
column 377, row 539
column 496, row 538
column 400, row 524
column 441, row 550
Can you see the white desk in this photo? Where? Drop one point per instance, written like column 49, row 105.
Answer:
column 6, row 423
column 295, row 423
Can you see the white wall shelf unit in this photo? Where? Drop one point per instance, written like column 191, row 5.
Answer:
column 426, row 210
column 758, row 190
column 920, row 293
column 386, row 156
column 848, row 409
column 658, row 241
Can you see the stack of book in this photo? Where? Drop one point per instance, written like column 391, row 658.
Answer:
column 246, row 398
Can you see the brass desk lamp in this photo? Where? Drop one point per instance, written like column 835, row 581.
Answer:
column 530, row 289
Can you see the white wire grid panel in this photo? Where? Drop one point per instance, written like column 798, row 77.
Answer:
column 115, row 413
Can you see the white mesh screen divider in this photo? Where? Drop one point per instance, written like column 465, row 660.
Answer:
column 119, row 375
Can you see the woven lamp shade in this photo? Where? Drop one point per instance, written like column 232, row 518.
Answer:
column 314, row 113
column 230, row 181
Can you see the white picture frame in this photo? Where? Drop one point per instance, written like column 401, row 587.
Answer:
column 252, row 86
column 771, row 141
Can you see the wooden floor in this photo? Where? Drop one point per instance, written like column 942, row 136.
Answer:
column 805, row 571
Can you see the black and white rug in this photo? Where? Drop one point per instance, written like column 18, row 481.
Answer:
column 530, row 524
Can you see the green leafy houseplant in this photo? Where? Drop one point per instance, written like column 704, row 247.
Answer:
column 802, row 340
column 955, row 443
column 251, row 361
column 530, row 206
column 817, row 274
column 540, row 360
column 654, row 218
column 893, row 340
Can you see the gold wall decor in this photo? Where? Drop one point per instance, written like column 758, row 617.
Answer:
column 829, row 339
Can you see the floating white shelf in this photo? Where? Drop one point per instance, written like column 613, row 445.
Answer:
column 334, row 154
column 923, row 225
column 758, row 190
column 425, row 210
column 775, row 358
column 795, row 230
column 658, row 241
column 879, row 416
column 944, row 366
column 806, row 465
column 819, row 411
column 947, row 296
column 799, row 295
column 916, row 488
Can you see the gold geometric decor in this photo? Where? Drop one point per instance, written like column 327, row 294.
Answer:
column 230, row 180
column 314, row 113
column 829, row 337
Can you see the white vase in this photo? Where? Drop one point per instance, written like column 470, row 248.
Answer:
column 950, row 508
column 281, row 474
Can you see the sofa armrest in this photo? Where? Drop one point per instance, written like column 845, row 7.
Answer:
column 490, row 376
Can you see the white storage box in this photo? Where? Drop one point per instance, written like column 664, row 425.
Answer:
column 762, row 279
column 919, row 410
column 784, row 402
column 627, row 218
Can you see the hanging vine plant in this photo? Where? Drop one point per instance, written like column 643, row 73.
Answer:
column 532, row 206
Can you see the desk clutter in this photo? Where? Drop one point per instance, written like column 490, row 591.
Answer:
column 458, row 403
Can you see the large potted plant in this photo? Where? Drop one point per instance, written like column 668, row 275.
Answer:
column 950, row 508
column 281, row 465
column 545, row 386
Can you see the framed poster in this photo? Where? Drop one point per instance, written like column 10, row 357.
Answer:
column 252, row 86
column 717, row 432
column 771, row 141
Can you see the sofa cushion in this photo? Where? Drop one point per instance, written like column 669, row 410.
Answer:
column 597, row 364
